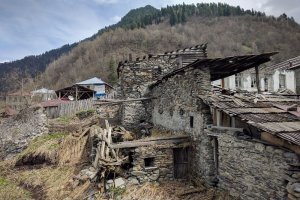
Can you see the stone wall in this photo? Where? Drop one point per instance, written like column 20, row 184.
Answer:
column 177, row 107
column 253, row 170
column 161, row 170
column 17, row 131
column 135, row 78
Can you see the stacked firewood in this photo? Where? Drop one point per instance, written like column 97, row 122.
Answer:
column 105, row 154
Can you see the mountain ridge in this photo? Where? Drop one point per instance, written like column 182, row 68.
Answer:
column 137, row 19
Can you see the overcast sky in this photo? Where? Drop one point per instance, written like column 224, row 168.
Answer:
column 31, row 27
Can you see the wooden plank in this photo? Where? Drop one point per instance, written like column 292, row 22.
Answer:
column 133, row 144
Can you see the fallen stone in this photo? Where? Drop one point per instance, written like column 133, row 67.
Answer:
column 133, row 181
column 296, row 187
column 138, row 173
column 120, row 182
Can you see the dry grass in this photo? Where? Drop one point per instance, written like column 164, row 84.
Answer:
column 44, row 181
column 45, row 146
column 174, row 190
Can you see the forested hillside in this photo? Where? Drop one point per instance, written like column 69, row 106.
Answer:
column 227, row 30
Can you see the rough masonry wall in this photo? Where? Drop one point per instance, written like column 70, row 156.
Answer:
column 252, row 170
column 176, row 103
column 17, row 131
column 162, row 169
column 135, row 78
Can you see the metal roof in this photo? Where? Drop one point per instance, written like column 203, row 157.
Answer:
column 91, row 81
column 43, row 91
column 224, row 67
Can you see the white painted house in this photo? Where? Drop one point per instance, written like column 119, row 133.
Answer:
column 284, row 75
column 100, row 87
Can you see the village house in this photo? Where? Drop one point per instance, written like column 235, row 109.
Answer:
column 242, row 143
column 18, row 100
column 276, row 78
column 100, row 87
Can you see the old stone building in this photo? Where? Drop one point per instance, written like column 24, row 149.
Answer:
column 251, row 160
column 136, row 76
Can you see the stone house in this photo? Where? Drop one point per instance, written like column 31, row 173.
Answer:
column 18, row 100
column 136, row 76
column 157, row 158
column 249, row 158
column 278, row 77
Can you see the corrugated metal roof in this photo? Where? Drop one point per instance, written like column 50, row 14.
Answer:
column 52, row 103
column 43, row 91
column 92, row 81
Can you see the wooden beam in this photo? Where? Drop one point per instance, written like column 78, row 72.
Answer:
column 151, row 141
column 279, row 142
column 257, row 79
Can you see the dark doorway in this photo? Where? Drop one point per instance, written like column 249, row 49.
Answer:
column 180, row 163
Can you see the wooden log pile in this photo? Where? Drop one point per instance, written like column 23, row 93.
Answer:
column 105, row 154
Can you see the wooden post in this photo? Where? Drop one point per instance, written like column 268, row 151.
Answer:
column 257, row 79
column 233, row 122
column 222, row 83
column 219, row 118
column 76, row 92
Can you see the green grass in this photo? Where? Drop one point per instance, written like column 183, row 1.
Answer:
column 64, row 119
column 9, row 190
column 85, row 113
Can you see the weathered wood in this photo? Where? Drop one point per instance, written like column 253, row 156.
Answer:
column 103, row 145
column 132, row 144
column 83, row 133
column 113, row 101
column 257, row 79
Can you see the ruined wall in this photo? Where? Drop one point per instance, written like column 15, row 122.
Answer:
column 135, row 77
column 253, row 170
column 162, row 169
column 17, row 131
column 177, row 107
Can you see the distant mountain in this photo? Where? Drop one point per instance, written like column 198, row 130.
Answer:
column 228, row 30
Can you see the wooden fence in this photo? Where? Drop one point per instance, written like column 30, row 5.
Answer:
column 69, row 109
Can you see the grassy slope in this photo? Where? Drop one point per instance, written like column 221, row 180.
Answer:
column 46, row 181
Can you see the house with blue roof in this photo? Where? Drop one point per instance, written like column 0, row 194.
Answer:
column 100, row 87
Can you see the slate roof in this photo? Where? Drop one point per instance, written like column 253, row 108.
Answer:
column 91, row 81
column 277, row 115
